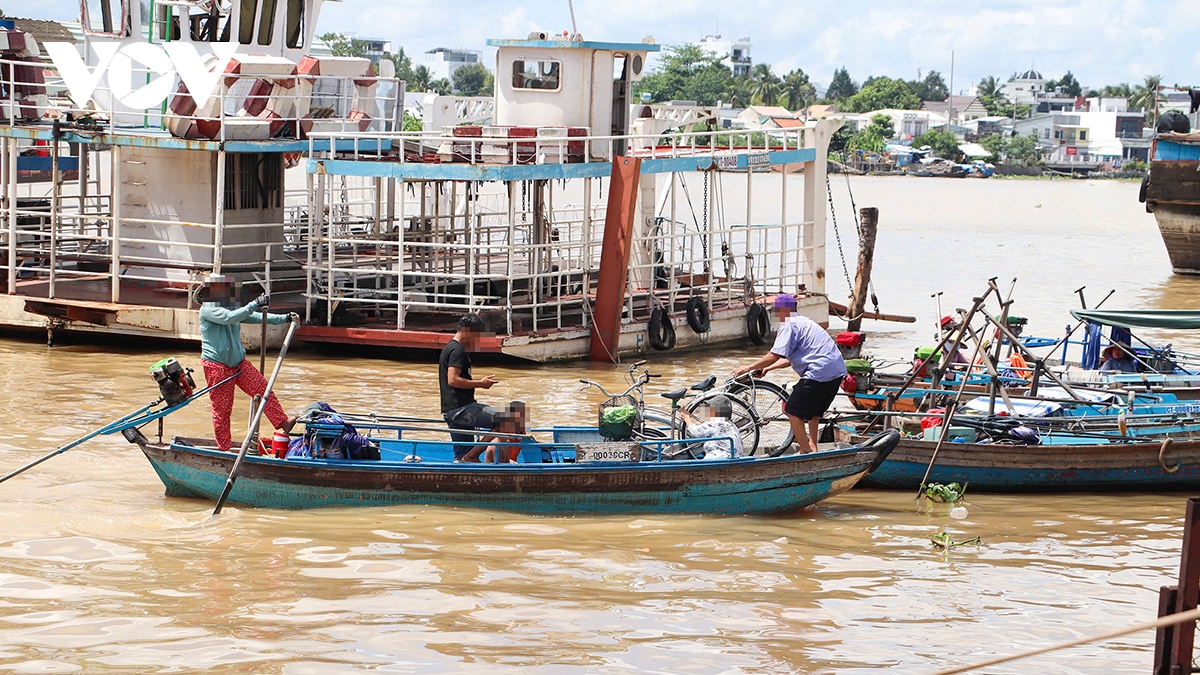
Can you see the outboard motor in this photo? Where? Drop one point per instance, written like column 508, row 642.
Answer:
column 174, row 382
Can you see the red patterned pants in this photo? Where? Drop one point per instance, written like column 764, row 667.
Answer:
column 250, row 381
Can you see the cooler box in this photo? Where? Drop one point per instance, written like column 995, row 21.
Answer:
column 956, row 434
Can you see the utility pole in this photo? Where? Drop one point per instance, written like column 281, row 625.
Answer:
column 950, row 100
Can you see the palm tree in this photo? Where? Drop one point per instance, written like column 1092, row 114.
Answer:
column 421, row 78
column 766, row 84
column 738, row 93
column 797, row 90
column 988, row 86
column 1145, row 95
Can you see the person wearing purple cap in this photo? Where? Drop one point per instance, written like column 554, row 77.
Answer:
column 808, row 349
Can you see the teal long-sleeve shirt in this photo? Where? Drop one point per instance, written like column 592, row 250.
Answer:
column 221, row 331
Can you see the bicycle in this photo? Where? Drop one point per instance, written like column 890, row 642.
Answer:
column 767, row 399
column 744, row 416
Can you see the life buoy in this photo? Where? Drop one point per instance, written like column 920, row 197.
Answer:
column 758, row 324
column 697, row 314
column 662, row 333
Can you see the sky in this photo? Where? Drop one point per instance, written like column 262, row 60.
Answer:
column 1100, row 41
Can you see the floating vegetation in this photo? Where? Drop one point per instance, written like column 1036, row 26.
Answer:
column 942, row 541
column 944, row 494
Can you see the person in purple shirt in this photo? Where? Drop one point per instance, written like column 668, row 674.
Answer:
column 808, row 349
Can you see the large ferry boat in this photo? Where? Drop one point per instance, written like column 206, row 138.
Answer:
column 186, row 138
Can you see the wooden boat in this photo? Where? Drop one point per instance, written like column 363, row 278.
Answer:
column 546, row 479
column 1150, row 464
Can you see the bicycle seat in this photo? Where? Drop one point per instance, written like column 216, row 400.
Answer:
column 705, row 384
column 675, row 394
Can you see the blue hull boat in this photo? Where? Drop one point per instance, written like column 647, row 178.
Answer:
column 1141, row 465
column 547, row 479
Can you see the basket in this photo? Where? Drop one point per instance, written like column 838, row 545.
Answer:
column 622, row 430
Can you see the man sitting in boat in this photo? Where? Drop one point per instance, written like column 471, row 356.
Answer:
column 459, row 407
column 809, row 350
column 1119, row 358
column 714, row 422
column 222, row 354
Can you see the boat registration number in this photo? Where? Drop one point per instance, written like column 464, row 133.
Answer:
column 607, row 452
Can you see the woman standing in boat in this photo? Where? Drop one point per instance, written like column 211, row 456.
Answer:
column 222, row 354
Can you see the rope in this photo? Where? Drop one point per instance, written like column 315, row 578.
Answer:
column 587, row 308
column 1161, row 622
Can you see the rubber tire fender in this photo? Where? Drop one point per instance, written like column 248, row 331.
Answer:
column 758, row 324
column 1142, row 190
column 698, row 314
column 662, row 333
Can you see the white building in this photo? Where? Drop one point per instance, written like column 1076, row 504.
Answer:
column 909, row 123
column 1025, row 88
column 734, row 53
column 442, row 61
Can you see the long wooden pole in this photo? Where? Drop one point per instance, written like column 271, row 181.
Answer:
column 614, row 259
column 237, row 463
column 866, row 256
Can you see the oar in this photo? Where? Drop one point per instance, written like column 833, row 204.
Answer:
column 262, row 343
column 237, row 463
column 113, row 427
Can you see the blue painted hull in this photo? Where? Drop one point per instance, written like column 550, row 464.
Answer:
column 740, row 486
column 1145, row 466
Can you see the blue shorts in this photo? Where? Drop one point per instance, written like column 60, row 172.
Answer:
column 473, row 416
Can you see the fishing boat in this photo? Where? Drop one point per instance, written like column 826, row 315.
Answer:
column 577, row 472
column 1084, row 465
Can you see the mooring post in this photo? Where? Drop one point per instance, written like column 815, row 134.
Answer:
column 1189, row 591
column 869, row 217
column 614, row 259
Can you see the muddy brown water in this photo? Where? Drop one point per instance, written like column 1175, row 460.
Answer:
column 100, row 573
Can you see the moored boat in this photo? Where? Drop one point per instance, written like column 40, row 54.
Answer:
column 548, row 478
column 1138, row 465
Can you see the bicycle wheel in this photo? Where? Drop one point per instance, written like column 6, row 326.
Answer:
column 744, row 418
column 650, row 452
column 767, row 399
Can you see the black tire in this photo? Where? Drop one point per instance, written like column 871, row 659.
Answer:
column 662, row 333
column 1142, row 190
column 758, row 324
column 698, row 315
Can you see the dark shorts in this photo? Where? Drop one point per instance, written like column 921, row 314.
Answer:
column 471, row 416
column 810, row 399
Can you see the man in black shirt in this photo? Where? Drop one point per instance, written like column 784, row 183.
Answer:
column 459, row 407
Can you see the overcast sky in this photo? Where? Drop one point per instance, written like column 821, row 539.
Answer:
column 1100, row 41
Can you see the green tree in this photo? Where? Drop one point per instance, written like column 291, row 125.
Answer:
column 930, row 88
column 420, row 79
column 1122, row 90
column 882, row 93
column 404, row 70
column 344, row 45
column 798, row 91
column 841, row 138
column 943, row 143
column 471, row 80
column 1145, row 95
column 1070, row 85
column 767, row 86
column 995, row 144
column 988, row 86
column 1022, row 150
column 441, row 87
column 841, row 86
column 738, row 92
column 874, row 137
column 687, row 72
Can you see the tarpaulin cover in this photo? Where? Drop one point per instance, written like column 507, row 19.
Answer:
column 1180, row 319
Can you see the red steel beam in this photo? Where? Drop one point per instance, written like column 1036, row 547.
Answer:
column 614, row 258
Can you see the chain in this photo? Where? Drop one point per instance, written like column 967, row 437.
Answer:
column 704, row 227
column 837, row 234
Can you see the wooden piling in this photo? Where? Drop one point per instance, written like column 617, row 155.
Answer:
column 869, row 217
column 614, row 259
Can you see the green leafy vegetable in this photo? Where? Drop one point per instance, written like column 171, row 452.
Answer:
column 944, row 494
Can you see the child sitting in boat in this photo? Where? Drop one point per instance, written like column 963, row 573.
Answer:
column 714, row 422
column 508, row 422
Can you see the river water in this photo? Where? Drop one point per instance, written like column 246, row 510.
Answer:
column 100, row 573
